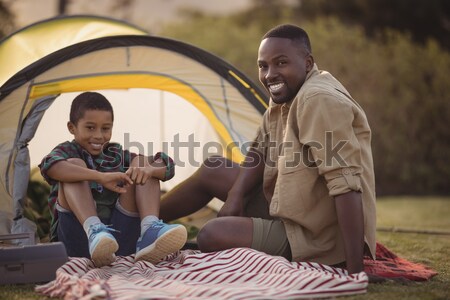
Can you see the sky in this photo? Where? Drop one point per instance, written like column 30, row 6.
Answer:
column 150, row 14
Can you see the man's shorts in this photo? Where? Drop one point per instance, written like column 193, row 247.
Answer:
column 269, row 234
column 71, row 233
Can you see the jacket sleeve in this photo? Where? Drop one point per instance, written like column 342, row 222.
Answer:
column 326, row 127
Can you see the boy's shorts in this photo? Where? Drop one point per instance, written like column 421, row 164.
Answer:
column 269, row 234
column 71, row 233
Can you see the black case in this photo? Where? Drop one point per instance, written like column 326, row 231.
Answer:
column 30, row 263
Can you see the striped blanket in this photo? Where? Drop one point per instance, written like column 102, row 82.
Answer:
column 238, row 273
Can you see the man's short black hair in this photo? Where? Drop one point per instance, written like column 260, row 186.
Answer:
column 292, row 32
column 88, row 101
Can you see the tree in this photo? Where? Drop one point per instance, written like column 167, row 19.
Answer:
column 401, row 85
column 421, row 19
column 6, row 20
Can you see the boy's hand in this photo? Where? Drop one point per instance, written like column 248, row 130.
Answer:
column 139, row 175
column 116, row 181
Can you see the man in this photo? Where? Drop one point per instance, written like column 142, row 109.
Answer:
column 306, row 188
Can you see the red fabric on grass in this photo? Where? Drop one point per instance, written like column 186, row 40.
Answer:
column 389, row 265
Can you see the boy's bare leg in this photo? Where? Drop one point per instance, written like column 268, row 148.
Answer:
column 77, row 196
column 213, row 179
column 145, row 198
column 157, row 239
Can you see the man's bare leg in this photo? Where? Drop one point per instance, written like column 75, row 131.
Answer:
column 213, row 179
column 226, row 233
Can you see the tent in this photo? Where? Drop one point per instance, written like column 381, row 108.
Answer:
column 152, row 77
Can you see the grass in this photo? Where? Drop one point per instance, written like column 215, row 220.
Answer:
column 418, row 213
column 424, row 213
column 431, row 213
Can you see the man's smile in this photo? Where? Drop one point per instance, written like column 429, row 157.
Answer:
column 273, row 88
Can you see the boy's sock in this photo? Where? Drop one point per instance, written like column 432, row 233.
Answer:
column 146, row 222
column 102, row 244
column 90, row 221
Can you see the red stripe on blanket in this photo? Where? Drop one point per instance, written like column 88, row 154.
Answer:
column 231, row 274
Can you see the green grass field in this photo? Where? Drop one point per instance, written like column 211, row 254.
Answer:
column 416, row 213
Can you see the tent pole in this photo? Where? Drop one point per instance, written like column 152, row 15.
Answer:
column 162, row 120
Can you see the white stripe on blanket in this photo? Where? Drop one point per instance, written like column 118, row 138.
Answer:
column 238, row 273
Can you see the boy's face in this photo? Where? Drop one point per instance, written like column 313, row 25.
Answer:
column 283, row 65
column 93, row 130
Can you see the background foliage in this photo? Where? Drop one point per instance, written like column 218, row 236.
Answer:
column 392, row 55
column 401, row 83
column 6, row 20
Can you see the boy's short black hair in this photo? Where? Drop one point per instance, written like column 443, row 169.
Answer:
column 292, row 32
column 88, row 101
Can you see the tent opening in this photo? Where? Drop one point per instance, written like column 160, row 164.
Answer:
column 145, row 121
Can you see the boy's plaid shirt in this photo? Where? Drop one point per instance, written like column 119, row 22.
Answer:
column 112, row 159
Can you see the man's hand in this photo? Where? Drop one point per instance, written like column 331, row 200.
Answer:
column 115, row 181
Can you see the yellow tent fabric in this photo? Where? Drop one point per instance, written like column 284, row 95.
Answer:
column 34, row 42
column 74, row 54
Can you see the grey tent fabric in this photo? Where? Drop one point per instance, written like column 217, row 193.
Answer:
column 23, row 225
column 22, row 167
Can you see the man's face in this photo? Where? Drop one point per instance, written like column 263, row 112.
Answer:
column 283, row 65
column 93, row 130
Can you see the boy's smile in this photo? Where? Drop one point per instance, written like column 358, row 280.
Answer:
column 93, row 130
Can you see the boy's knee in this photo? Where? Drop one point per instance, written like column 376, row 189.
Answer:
column 139, row 161
column 77, row 161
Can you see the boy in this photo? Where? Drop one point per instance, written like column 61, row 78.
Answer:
column 306, row 189
column 95, row 182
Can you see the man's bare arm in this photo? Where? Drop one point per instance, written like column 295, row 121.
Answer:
column 250, row 175
column 351, row 222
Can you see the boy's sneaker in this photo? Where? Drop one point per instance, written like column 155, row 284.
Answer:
column 102, row 245
column 160, row 240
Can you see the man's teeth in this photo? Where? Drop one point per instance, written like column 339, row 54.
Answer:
column 96, row 145
column 275, row 87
